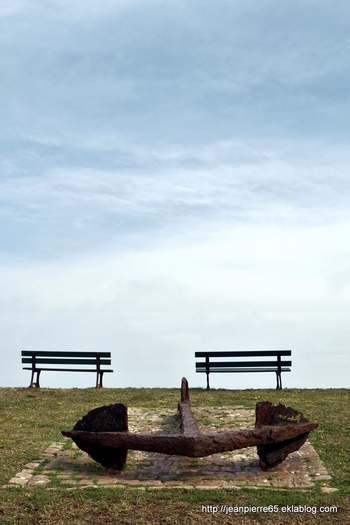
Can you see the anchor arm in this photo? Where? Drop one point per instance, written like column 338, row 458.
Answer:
column 194, row 446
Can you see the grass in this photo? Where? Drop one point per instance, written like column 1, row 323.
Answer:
column 30, row 420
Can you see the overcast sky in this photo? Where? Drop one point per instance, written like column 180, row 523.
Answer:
column 174, row 177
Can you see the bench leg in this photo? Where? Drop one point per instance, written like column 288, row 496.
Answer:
column 279, row 381
column 208, row 386
column 99, row 379
column 37, row 378
column 35, row 383
column 32, row 379
column 207, row 370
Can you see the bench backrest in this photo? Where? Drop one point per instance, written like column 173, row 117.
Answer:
column 203, row 365
column 65, row 358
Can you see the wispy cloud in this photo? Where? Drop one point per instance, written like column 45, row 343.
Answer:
column 156, row 192
column 182, row 166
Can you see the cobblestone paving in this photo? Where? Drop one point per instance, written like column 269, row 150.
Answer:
column 63, row 464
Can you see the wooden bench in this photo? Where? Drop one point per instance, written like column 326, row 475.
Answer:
column 92, row 360
column 257, row 365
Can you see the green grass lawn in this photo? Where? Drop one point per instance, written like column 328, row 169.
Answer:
column 32, row 419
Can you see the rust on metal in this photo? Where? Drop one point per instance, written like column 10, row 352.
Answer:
column 187, row 423
column 111, row 418
column 278, row 431
column 268, row 414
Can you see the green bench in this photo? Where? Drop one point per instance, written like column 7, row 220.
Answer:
column 211, row 365
column 39, row 361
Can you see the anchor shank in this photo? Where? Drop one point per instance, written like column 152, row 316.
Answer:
column 187, row 424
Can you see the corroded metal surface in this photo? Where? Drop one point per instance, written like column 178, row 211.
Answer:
column 111, row 418
column 193, row 445
column 278, row 431
column 187, row 425
column 267, row 414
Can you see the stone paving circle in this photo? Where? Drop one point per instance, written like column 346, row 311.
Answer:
column 64, row 465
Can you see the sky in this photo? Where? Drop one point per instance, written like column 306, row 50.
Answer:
column 174, row 177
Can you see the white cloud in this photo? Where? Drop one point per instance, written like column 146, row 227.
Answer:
column 243, row 268
column 240, row 290
column 174, row 175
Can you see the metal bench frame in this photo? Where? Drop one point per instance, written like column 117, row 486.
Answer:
column 50, row 357
column 278, row 366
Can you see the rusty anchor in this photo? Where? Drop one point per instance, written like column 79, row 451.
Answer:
column 103, row 434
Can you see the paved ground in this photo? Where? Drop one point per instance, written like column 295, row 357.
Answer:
column 63, row 464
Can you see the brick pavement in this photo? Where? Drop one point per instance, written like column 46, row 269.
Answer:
column 63, row 464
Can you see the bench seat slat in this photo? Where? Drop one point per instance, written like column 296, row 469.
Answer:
column 239, row 353
column 54, row 353
column 242, row 364
column 213, row 370
column 67, row 369
column 49, row 361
